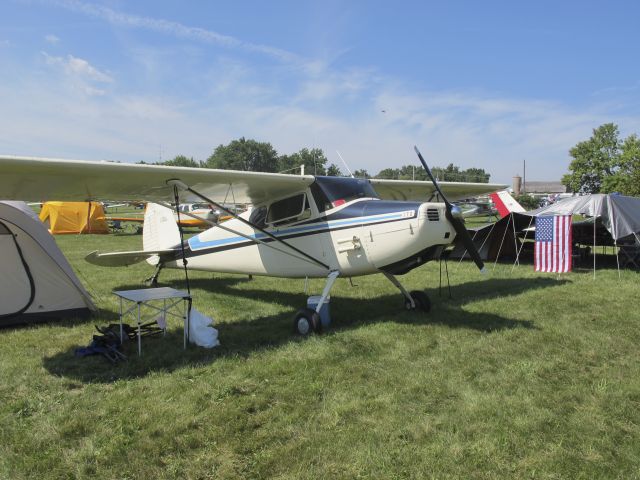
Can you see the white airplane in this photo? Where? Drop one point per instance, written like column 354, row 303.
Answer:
column 201, row 214
column 299, row 225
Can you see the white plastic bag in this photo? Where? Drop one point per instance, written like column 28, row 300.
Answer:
column 201, row 331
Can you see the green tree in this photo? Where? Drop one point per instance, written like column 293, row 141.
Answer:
column 529, row 202
column 314, row 162
column 245, row 155
column 334, row 171
column 626, row 178
column 361, row 173
column 451, row 173
column 412, row 172
column 388, row 173
column 594, row 161
column 477, row 175
column 182, row 161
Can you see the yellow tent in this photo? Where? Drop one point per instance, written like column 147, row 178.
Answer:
column 74, row 217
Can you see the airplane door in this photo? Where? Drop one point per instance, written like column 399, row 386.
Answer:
column 342, row 242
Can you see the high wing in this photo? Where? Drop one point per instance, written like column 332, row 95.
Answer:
column 422, row 190
column 39, row 179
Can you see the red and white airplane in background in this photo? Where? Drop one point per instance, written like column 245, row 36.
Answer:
column 505, row 203
column 298, row 225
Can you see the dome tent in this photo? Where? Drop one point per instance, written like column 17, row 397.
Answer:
column 74, row 217
column 36, row 281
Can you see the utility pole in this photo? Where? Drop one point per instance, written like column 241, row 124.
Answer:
column 524, row 176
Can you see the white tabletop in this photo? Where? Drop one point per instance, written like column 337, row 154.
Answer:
column 146, row 294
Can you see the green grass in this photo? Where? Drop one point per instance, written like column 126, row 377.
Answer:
column 520, row 375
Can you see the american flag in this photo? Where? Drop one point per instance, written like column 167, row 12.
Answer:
column 553, row 244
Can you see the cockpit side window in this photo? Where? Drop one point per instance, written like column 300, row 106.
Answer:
column 322, row 201
column 288, row 210
column 258, row 217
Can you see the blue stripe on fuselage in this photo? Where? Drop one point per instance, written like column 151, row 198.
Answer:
column 336, row 220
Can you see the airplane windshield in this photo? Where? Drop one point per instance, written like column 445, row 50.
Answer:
column 330, row 192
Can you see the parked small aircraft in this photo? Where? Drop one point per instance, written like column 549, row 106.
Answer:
column 201, row 215
column 505, row 203
column 477, row 208
column 298, row 226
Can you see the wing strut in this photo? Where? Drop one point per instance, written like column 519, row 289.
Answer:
column 183, row 186
column 236, row 232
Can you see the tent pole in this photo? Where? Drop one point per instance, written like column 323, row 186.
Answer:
column 515, row 240
column 522, row 245
column 615, row 246
column 594, row 247
column 88, row 218
column 506, row 229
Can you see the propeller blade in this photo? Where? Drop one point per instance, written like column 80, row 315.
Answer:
column 461, row 231
column 454, row 215
column 433, row 180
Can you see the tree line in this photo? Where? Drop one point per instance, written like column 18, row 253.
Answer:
column 253, row 156
column 605, row 163
column 450, row 173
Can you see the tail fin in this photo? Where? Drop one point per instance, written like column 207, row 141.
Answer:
column 160, row 230
column 505, row 203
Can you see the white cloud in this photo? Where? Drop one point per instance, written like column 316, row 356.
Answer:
column 52, row 39
column 294, row 103
column 78, row 67
column 470, row 130
column 175, row 29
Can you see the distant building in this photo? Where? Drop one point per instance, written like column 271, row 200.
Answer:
column 544, row 187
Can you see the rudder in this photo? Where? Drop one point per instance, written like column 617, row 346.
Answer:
column 160, row 230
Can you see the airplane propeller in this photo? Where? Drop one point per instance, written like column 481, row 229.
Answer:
column 454, row 215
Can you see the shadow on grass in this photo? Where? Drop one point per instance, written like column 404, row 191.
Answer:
column 107, row 315
column 243, row 338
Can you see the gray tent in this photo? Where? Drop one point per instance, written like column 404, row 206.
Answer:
column 36, row 281
column 620, row 215
column 614, row 220
column 617, row 215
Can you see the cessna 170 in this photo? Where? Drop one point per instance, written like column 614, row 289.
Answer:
column 299, row 225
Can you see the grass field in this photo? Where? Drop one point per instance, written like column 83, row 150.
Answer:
column 520, row 375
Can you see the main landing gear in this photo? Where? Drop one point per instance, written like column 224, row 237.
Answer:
column 152, row 281
column 415, row 300
column 307, row 320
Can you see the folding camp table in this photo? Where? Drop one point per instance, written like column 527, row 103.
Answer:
column 152, row 297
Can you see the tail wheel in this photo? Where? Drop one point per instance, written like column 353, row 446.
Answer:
column 421, row 301
column 307, row 321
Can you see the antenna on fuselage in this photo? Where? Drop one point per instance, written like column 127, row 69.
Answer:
column 345, row 164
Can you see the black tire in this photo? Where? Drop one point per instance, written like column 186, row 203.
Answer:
column 421, row 300
column 307, row 321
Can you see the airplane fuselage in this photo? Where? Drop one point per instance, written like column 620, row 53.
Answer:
column 360, row 237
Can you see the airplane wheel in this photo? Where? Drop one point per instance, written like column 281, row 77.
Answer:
column 420, row 299
column 307, row 321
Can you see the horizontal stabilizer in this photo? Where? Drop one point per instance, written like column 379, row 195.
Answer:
column 122, row 259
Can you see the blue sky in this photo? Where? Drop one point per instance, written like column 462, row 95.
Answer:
column 484, row 84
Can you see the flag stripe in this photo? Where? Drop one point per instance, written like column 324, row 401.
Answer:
column 552, row 252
